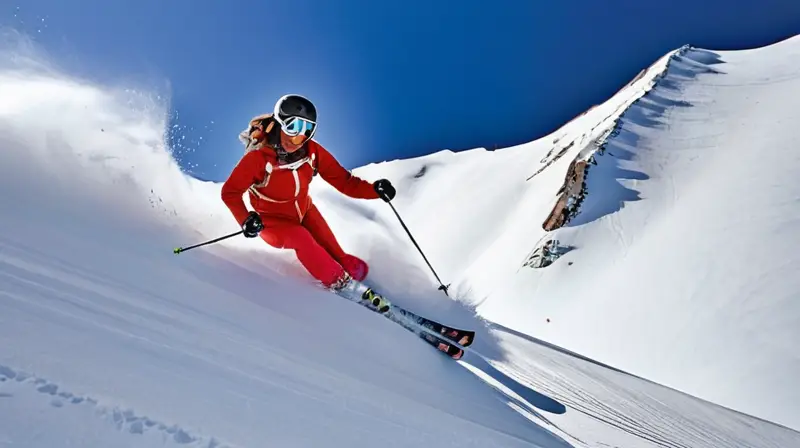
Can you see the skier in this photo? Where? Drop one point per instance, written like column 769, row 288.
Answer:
column 281, row 158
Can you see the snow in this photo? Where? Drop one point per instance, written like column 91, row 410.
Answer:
column 678, row 271
column 686, row 246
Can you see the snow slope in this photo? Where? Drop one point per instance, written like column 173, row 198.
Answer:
column 685, row 260
column 682, row 259
column 108, row 339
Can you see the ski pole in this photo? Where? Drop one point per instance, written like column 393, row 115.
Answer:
column 442, row 286
column 178, row 250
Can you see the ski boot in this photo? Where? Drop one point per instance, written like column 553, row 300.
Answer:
column 356, row 291
column 380, row 304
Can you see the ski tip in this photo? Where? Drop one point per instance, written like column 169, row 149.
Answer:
column 463, row 337
column 451, row 350
column 177, row 250
column 467, row 339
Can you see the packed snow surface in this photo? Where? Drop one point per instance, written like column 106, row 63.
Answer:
column 670, row 317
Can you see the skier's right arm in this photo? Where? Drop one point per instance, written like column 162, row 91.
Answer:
column 244, row 174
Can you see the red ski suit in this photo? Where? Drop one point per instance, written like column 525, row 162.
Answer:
column 291, row 220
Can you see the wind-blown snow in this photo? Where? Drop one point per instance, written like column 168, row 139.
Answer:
column 108, row 339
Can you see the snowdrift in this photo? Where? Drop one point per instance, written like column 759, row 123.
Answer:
column 108, row 339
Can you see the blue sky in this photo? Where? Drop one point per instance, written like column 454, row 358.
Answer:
column 390, row 79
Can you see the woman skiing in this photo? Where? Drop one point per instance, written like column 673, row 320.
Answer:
column 281, row 158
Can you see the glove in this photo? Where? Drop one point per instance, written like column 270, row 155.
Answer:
column 384, row 189
column 252, row 226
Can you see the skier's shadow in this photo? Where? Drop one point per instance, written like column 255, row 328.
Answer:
column 532, row 397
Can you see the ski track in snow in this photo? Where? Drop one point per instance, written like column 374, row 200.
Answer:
column 124, row 420
column 643, row 413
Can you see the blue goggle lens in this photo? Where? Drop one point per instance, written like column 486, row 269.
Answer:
column 296, row 126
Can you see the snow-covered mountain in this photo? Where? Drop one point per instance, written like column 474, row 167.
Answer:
column 630, row 277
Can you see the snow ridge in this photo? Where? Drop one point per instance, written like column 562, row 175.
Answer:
column 645, row 111
column 573, row 190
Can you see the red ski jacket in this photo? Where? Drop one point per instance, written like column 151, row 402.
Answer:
column 282, row 191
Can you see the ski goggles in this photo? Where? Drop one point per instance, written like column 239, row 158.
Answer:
column 294, row 126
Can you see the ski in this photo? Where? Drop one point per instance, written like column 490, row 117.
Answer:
column 398, row 315
column 463, row 337
column 441, row 337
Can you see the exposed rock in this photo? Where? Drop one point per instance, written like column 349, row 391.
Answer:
column 545, row 254
column 571, row 195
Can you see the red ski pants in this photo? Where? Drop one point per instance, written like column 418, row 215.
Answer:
column 315, row 246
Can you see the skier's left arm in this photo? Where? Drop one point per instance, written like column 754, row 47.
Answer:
column 340, row 178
